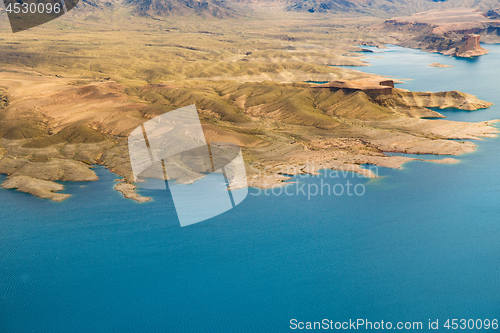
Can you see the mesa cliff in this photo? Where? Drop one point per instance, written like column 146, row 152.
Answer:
column 454, row 32
column 469, row 47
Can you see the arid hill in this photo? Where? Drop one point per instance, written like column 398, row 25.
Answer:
column 56, row 128
column 205, row 8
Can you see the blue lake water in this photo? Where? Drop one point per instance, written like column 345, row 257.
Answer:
column 422, row 243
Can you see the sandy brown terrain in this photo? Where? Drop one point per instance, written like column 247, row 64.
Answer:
column 439, row 65
column 57, row 128
column 456, row 32
column 253, row 85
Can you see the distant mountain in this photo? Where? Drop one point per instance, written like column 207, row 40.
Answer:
column 98, row 4
column 237, row 8
column 203, row 8
column 323, row 6
column 386, row 7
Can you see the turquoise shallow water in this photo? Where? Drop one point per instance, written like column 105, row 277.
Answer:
column 421, row 243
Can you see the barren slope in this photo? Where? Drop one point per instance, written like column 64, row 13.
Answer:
column 66, row 126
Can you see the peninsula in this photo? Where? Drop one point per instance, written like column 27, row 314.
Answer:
column 454, row 32
column 54, row 129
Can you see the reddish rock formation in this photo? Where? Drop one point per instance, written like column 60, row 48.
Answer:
column 377, row 89
column 453, row 32
column 470, row 48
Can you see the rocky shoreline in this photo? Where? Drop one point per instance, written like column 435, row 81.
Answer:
column 277, row 139
column 40, row 188
column 128, row 191
column 452, row 32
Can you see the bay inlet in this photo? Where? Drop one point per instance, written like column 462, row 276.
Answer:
column 422, row 243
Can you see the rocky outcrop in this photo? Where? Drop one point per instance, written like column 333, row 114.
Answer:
column 383, row 91
column 376, row 89
column 471, row 47
column 128, row 191
column 454, row 32
column 441, row 100
column 55, row 169
column 40, row 188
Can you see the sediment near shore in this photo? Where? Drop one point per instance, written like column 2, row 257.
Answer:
column 439, row 65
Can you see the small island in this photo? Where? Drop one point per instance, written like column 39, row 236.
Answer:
column 439, row 65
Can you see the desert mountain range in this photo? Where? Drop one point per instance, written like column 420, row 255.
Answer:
column 242, row 8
